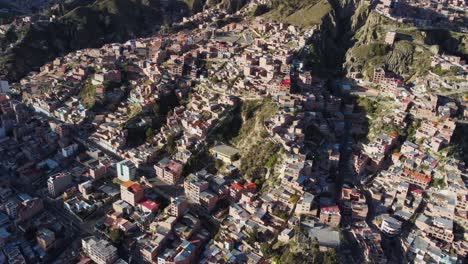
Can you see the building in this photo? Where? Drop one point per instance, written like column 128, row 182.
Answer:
column 304, row 205
column 131, row 192
column 390, row 226
column 186, row 252
column 45, row 239
column 379, row 75
column 353, row 203
column 194, row 186
column 169, row 171
column 285, row 235
column 58, row 183
column 86, row 189
column 196, row 189
column 69, row 150
column 390, row 37
column 122, row 207
column 99, row 250
column 330, row 215
column 126, row 170
column 442, row 228
column 178, row 207
column 224, row 153
column 416, row 178
column 4, row 87
column 28, row 209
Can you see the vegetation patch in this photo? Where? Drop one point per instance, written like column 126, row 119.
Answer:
column 88, row 94
column 299, row 13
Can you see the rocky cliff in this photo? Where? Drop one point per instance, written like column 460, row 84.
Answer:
column 334, row 36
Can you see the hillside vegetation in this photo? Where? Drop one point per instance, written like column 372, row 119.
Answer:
column 302, row 13
column 409, row 56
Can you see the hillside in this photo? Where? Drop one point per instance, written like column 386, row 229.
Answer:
column 300, row 13
column 85, row 26
column 92, row 25
column 8, row 12
column 230, row 5
column 410, row 55
column 349, row 36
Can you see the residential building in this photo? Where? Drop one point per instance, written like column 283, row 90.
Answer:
column 45, row 239
column 99, row 250
column 304, row 205
column 28, row 209
column 416, row 178
column 330, row 215
column 169, row 171
column 225, row 153
column 131, row 192
column 126, row 170
column 390, row 226
column 58, row 183
column 178, row 207
column 370, row 242
column 193, row 186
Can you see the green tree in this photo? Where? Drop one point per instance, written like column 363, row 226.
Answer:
column 171, row 146
column 149, row 133
column 330, row 257
column 252, row 236
column 266, row 250
column 115, row 235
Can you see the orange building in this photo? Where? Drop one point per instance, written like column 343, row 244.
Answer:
column 131, row 192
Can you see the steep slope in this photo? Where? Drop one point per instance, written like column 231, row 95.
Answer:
column 195, row 5
column 230, row 5
column 333, row 36
column 86, row 26
column 349, row 36
column 409, row 56
column 300, row 13
column 334, row 23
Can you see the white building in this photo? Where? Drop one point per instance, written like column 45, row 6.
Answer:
column 58, row 183
column 390, row 226
column 69, row 150
column 100, row 251
column 304, row 205
column 126, row 170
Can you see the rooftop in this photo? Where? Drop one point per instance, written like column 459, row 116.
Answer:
column 225, row 150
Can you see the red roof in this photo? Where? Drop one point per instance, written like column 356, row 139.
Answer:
column 332, row 209
column 237, row 186
column 150, row 205
column 286, row 82
column 419, row 176
column 250, row 185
